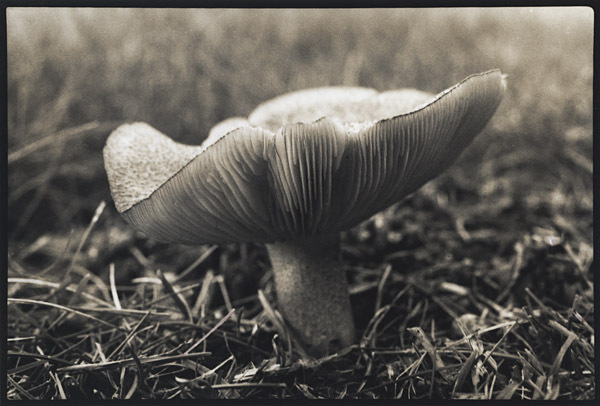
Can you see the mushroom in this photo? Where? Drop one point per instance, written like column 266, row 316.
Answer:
column 302, row 168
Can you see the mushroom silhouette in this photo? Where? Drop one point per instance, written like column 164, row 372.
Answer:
column 302, row 168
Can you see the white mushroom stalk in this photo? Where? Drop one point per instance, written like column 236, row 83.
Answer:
column 302, row 168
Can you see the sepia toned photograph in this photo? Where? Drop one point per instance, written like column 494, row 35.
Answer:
column 300, row 204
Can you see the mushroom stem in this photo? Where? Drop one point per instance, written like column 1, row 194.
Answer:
column 312, row 292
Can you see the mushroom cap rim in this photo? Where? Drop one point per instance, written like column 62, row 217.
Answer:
column 435, row 99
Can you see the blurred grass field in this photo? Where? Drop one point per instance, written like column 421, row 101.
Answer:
column 510, row 223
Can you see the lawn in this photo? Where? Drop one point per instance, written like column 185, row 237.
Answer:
column 477, row 286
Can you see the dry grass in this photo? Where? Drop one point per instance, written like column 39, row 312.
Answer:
column 478, row 286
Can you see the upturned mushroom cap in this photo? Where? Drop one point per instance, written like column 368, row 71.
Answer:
column 313, row 161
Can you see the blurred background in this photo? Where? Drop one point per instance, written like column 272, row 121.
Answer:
column 74, row 75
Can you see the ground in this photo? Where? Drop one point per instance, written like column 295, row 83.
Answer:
column 476, row 286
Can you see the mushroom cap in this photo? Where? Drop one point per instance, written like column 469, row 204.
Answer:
column 309, row 162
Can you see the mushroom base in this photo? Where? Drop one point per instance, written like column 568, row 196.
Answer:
column 312, row 292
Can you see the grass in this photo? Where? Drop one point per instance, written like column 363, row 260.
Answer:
column 477, row 286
